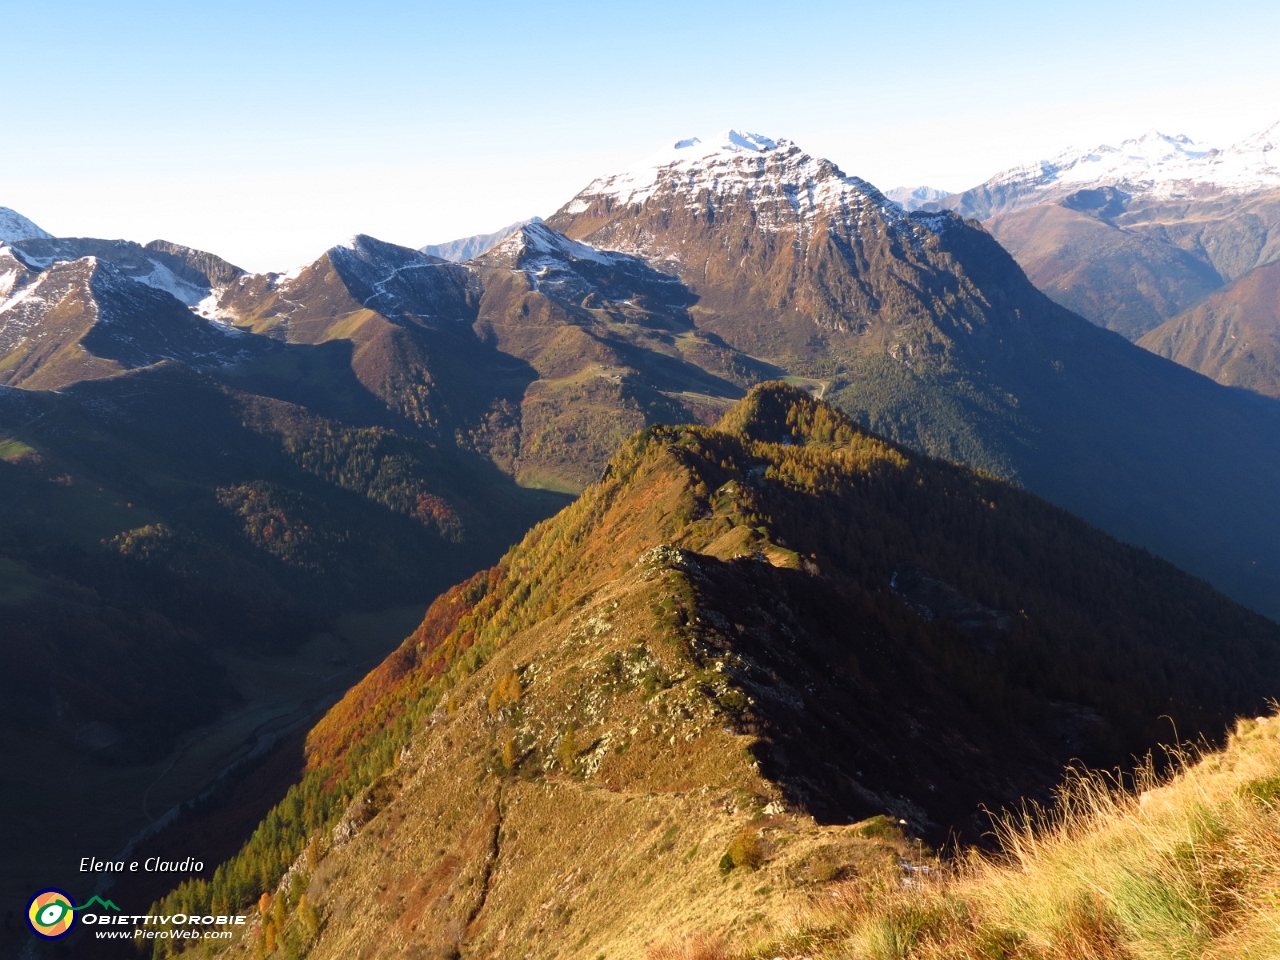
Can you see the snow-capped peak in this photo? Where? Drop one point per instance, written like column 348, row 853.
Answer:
column 1159, row 164
column 633, row 185
column 1154, row 156
column 14, row 226
column 781, row 186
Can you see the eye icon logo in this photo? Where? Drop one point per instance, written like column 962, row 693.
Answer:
column 51, row 914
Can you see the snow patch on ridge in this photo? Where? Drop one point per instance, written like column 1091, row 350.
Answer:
column 534, row 242
column 162, row 278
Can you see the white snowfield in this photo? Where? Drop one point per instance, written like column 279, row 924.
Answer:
column 162, row 278
column 14, row 226
column 1160, row 166
column 14, row 277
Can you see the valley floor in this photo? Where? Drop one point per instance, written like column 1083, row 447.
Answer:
column 280, row 694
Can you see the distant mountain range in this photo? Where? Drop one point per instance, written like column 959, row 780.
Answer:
column 913, row 198
column 1154, row 166
column 660, row 293
column 468, row 247
column 1133, row 236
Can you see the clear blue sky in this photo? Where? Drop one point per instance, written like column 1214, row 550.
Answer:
column 265, row 131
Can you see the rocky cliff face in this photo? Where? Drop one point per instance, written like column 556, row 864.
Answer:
column 783, row 251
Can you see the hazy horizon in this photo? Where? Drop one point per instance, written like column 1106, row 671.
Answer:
column 266, row 135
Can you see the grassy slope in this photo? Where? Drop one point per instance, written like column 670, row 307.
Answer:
column 1185, row 868
column 1232, row 336
column 568, row 747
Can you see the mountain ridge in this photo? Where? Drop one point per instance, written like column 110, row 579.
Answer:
column 85, row 318
column 703, row 655
column 741, row 259
column 14, row 226
column 1152, row 166
column 1128, row 237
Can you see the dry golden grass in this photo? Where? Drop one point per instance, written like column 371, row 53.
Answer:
column 1185, row 867
column 695, row 947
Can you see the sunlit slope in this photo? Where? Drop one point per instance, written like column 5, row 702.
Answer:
column 743, row 639
column 1232, row 336
column 1185, row 868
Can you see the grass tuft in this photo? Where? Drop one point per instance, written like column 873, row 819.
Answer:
column 1179, row 866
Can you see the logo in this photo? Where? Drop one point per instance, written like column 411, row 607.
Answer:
column 51, row 914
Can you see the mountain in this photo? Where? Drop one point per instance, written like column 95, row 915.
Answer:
column 1233, row 335
column 1087, row 254
column 207, row 533
column 397, row 320
column 468, row 247
column 913, row 198
column 191, row 276
column 753, row 660
column 1153, row 166
column 661, row 293
column 14, row 226
column 924, row 329
column 83, row 319
column 366, row 430
column 1130, row 236
column 542, row 355
column 613, row 345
